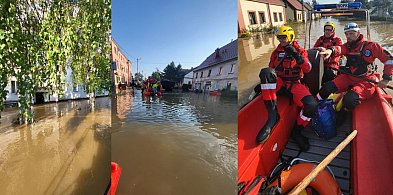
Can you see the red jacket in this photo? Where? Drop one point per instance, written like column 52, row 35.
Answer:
column 328, row 42
column 367, row 51
column 289, row 69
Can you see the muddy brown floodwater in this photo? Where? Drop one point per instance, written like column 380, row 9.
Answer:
column 182, row 143
column 67, row 151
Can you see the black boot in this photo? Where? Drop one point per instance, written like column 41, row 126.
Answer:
column 300, row 140
column 341, row 117
column 273, row 118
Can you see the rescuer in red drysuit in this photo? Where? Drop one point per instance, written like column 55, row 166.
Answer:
column 287, row 64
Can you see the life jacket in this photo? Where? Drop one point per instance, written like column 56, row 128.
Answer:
column 328, row 42
column 356, row 62
column 287, row 68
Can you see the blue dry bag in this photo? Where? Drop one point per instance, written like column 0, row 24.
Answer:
column 324, row 123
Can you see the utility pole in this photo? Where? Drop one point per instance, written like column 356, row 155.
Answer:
column 303, row 11
column 137, row 65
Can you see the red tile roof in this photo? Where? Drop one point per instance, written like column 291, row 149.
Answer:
column 308, row 6
column 296, row 4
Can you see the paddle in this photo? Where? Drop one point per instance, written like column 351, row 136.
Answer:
column 308, row 179
column 360, row 77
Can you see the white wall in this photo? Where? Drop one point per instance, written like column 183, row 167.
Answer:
column 188, row 78
column 217, row 81
column 70, row 92
column 252, row 6
column 277, row 9
column 11, row 96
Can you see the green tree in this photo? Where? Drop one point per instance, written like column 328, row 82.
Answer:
column 156, row 74
column 138, row 76
column 173, row 72
column 40, row 39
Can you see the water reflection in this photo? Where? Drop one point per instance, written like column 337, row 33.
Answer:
column 65, row 152
column 181, row 143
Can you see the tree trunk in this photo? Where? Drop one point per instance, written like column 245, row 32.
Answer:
column 92, row 101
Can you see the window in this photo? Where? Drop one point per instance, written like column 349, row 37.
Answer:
column 262, row 17
column 252, row 17
column 13, row 86
column 196, row 75
column 275, row 16
column 232, row 66
column 75, row 87
column 219, row 72
column 210, row 71
column 280, row 16
column 201, row 74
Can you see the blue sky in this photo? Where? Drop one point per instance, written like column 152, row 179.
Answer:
column 159, row 32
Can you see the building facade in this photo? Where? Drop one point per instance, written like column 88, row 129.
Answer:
column 188, row 78
column 121, row 67
column 12, row 88
column 254, row 14
column 219, row 71
column 293, row 11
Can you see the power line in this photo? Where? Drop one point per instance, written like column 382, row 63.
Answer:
column 125, row 51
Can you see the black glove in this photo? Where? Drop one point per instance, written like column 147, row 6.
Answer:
column 257, row 89
column 291, row 51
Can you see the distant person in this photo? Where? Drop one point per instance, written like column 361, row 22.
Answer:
column 328, row 39
column 361, row 55
column 287, row 65
column 155, row 87
column 144, row 86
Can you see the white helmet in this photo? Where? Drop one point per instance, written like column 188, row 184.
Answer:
column 351, row 27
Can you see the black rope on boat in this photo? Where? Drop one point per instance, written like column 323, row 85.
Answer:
column 240, row 187
column 253, row 184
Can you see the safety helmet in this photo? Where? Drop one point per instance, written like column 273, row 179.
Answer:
column 329, row 23
column 287, row 31
column 351, row 27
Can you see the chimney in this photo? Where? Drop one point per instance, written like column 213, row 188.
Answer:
column 217, row 53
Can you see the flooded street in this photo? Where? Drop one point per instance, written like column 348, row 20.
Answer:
column 254, row 52
column 182, row 143
column 67, row 151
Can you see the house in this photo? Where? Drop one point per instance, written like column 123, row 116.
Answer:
column 72, row 91
column 121, row 67
column 309, row 9
column 258, row 14
column 187, row 80
column 12, row 88
column 218, row 71
column 188, row 77
column 293, row 11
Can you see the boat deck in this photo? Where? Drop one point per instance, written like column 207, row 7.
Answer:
column 320, row 148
